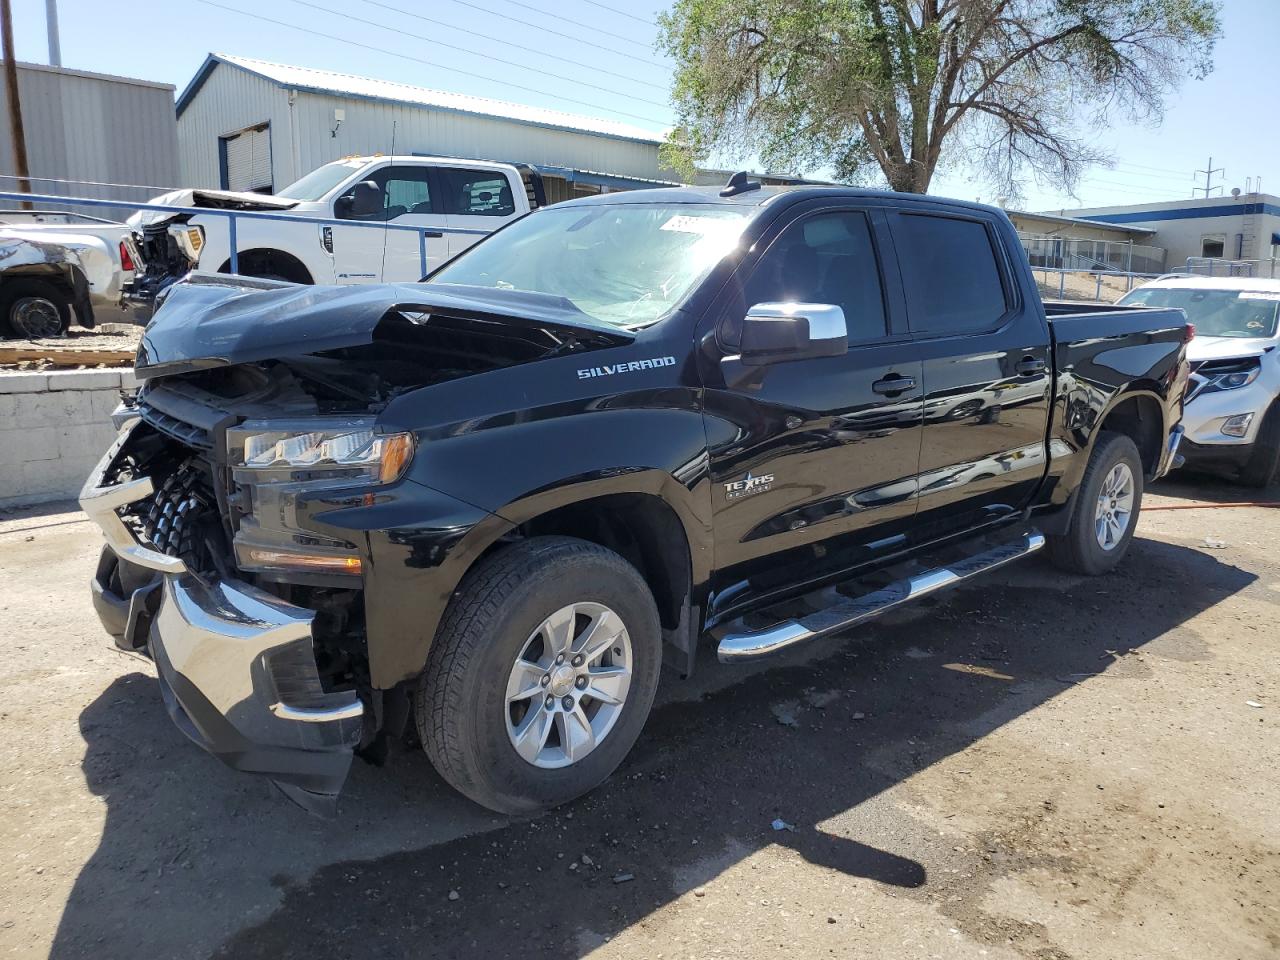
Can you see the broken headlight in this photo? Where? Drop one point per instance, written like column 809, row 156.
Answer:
column 278, row 464
column 317, row 450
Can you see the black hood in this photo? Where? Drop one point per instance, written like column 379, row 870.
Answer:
column 215, row 321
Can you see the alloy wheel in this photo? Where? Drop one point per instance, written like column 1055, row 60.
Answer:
column 1115, row 506
column 568, row 685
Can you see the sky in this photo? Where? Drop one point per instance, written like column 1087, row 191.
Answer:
column 596, row 57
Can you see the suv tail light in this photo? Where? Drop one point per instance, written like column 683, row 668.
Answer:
column 1188, row 333
column 126, row 261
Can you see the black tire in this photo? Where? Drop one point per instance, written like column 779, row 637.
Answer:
column 1263, row 466
column 1079, row 550
column 461, row 707
column 17, row 297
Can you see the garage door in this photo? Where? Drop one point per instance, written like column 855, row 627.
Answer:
column 249, row 159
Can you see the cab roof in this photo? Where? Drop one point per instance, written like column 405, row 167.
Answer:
column 768, row 196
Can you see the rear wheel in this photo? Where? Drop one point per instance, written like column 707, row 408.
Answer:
column 542, row 674
column 34, row 309
column 1106, row 509
column 1263, row 466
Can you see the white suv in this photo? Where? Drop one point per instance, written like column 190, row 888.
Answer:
column 1232, row 415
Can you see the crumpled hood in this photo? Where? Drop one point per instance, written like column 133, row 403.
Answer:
column 214, row 199
column 213, row 320
column 1225, row 348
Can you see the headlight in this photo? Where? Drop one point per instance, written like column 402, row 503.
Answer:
column 189, row 238
column 318, row 450
column 1233, row 381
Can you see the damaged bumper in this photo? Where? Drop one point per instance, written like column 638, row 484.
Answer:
column 236, row 664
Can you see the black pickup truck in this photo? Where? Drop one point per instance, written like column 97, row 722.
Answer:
column 492, row 504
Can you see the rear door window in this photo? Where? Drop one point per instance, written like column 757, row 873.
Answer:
column 952, row 274
column 475, row 193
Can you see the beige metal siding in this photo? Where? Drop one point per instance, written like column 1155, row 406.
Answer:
column 90, row 127
column 372, row 126
column 230, row 101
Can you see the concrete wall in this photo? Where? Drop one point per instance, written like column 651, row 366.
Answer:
column 54, row 427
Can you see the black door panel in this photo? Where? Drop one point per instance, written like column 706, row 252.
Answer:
column 813, row 462
column 987, row 380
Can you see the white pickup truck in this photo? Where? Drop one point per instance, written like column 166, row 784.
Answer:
column 435, row 205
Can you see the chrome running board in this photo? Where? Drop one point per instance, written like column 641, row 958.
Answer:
column 849, row 612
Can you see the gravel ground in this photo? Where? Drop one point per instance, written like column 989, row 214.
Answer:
column 1037, row 766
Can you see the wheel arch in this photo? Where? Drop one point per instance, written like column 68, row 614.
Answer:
column 1139, row 415
column 263, row 260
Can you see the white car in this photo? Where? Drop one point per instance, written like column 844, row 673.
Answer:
column 1232, row 415
column 451, row 203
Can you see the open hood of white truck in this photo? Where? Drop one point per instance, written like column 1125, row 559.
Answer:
column 214, row 199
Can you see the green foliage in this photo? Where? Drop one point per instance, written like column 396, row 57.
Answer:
column 878, row 87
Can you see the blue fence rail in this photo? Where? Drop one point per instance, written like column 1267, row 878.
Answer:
column 234, row 216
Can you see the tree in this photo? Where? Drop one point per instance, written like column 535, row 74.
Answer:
column 1002, row 87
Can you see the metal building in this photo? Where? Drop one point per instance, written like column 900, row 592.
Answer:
column 252, row 125
column 93, row 129
column 1243, row 227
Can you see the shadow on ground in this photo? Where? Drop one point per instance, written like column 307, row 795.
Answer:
column 699, row 791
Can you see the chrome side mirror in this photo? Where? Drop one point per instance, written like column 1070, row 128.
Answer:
column 778, row 332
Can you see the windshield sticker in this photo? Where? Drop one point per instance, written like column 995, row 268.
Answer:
column 703, row 226
column 630, row 367
column 1259, row 295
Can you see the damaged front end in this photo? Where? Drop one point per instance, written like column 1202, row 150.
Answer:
column 258, row 417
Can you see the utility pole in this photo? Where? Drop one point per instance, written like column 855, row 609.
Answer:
column 15, row 107
column 51, row 28
column 1209, row 185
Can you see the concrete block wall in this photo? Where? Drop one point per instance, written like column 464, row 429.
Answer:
column 54, row 427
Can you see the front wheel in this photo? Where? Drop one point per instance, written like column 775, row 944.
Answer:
column 1106, row 509
column 541, row 676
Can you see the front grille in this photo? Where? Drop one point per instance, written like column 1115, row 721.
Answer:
column 182, row 431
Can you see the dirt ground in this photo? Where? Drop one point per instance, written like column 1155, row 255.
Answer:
column 1037, row 766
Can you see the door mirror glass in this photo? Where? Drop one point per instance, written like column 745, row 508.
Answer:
column 778, row 332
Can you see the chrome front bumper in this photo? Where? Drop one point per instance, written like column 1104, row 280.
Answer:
column 236, row 664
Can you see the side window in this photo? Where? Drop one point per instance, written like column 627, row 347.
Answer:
column 476, row 193
column 951, row 274
column 386, row 194
column 824, row 258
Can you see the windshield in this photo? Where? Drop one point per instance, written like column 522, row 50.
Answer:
column 1215, row 313
column 320, row 180
column 627, row 264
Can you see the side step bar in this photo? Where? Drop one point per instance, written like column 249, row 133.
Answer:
column 749, row 644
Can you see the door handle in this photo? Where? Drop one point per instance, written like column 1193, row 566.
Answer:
column 893, row 385
column 1029, row 365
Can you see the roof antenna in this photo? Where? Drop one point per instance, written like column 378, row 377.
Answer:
column 386, row 210
column 739, row 183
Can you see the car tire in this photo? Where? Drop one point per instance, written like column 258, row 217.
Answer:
column 27, row 306
column 1092, row 543
column 1263, row 466
column 500, row 636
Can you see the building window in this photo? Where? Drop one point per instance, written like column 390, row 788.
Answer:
column 1213, row 246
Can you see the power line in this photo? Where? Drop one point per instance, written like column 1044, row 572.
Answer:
column 508, row 43
column 475, row 53
column 427, row 63
column 621, row 13
column 527, row 6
